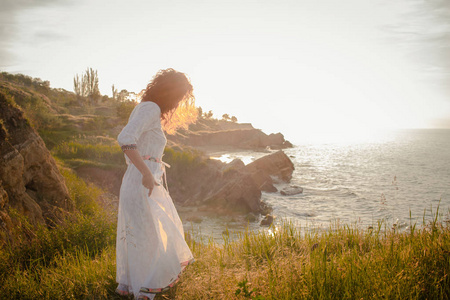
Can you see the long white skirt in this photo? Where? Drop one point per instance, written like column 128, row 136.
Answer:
column 151, row 249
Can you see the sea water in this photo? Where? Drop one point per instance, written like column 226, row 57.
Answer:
column 396, row 178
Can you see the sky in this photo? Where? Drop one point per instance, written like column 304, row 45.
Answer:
column 299, row 67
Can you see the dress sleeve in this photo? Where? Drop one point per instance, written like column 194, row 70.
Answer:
column 145, row 117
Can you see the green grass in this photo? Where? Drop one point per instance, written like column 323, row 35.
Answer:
column 66, row 262
column 82, row 193
column 96, row 151
column 53, row 138
column 338, row 263
column 72, row 275
column 76, row 259
column 286, row 263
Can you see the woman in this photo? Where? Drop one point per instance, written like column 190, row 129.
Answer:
column 151, row 250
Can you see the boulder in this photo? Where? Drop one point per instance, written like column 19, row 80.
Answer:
column 291, row 190
column 238, row 192
column 267, row 220
column 219, row 187
column 251, row 217
column 236, row 165
column 30, row 180
column 276, row 165
column 264, row 182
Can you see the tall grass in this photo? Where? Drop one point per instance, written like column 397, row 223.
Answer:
column 339, row 263
column 82, row 193
column 100, row 150
column 64, row 262
column 76, row 260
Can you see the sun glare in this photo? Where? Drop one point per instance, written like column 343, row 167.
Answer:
column 321, row 102
column 345, row 137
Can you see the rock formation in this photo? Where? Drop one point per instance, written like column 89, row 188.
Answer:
column 249, row 138
column 291, row 190
column 29, row 178
column 213, row 185
column 276, row 167
column 267, row 220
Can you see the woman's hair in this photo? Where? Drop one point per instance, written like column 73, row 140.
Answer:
column 173, row 92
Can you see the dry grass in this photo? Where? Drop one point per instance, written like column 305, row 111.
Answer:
column 339, row 263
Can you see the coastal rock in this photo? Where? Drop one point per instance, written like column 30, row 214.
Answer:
column 274, row 139
column 238, row 193
column 251, row 217
column 291, row 190
column 276, row 165
column 248, row 138
column 267, row 220
column 30, row 180
column 236, row 165
column 263, row 181
column 217, row 186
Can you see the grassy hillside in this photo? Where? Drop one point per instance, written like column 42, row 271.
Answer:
column 57, row 114
column 76, row 260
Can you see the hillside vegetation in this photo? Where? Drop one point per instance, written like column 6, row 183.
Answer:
column 76, row 258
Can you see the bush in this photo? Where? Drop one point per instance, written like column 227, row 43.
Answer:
column 183, row 158
column 124, row 110
column 99, row 150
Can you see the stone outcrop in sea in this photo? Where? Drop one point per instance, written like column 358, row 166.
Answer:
column 271, row 168
column 217, row 186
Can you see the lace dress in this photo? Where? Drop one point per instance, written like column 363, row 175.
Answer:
column 151, row 250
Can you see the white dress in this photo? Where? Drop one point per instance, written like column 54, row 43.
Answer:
column 151, row 250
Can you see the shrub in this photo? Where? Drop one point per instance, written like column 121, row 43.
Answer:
column 124, row 110
column 100, row 150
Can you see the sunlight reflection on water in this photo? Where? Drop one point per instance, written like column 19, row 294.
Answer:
column 362, row 180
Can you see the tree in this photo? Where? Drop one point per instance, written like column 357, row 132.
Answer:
column 208, row 115
column 233, row 119
column 79, row 88
column 114, row 93
column 86, row 86
column 225, row 117
column 93, row 93
column 122, row 95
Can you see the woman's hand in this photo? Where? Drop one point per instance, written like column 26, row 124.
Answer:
column 149, row 182
column 147, row 178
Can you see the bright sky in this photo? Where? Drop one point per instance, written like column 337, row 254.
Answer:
column 298, row 67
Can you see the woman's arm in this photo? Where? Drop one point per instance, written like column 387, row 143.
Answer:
column 147, row 177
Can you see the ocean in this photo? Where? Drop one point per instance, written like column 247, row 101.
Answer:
column 396, row 178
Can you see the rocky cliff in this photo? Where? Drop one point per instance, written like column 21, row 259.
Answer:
column 29, row 178
column 214, row 185
column 239, row 138
column 30, row 181
column 223, row 135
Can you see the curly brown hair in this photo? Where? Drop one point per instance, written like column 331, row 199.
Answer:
column 172, row 91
